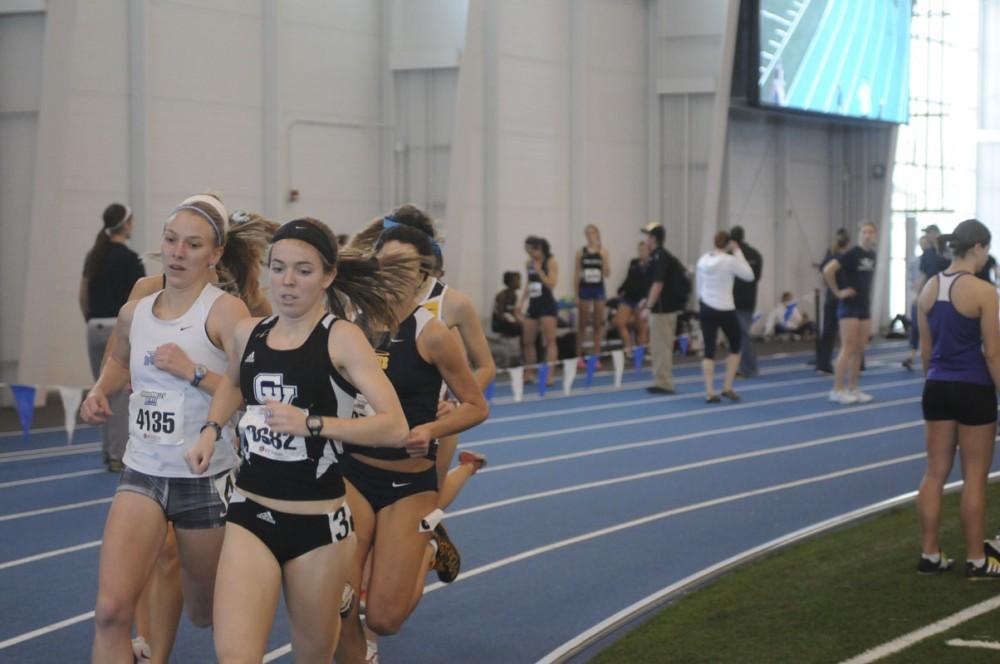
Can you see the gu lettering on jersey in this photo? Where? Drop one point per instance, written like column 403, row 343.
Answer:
column 271, row 387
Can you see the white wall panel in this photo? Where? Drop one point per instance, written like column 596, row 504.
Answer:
column 99, row 64
column 198, row 147
column 207, row 56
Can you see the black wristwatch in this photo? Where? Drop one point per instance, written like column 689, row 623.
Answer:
column 314, row 423
column 214, row 425
column 200, row 371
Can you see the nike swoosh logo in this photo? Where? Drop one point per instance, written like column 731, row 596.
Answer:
column 396, row 486
column 395, row 341
column 187, row 327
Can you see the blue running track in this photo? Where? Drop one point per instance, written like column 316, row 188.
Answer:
column 590, row 503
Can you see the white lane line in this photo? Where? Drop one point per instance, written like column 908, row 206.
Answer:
column 48, row 629
column 659, row 516
column 716, row 409
column 686, row 466
column 57, row 508
column 18, row 434
column 52, row 478
column 531, row 395
column 984, row 645
column 48, row 452
column 694, row 434
column 575, row 645
column 49, row 554
column 943, row 625
column 595, row 484
column 663, row 399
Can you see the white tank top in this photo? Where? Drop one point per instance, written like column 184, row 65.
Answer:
column 166, row 412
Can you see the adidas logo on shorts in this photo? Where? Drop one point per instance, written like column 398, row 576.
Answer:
column 266, row 516
column 249, row 359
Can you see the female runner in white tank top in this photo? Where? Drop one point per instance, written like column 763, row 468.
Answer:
column 172, row 348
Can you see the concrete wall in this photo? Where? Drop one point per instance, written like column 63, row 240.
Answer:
column 550, row 135
column 502, row 118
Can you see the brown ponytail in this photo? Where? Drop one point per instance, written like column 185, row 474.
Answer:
column 245, row 252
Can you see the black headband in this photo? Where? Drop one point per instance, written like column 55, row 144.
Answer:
column 299, row 229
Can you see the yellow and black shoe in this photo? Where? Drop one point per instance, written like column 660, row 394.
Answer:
column 927, row 566
column 988, row 570
column 447, row 562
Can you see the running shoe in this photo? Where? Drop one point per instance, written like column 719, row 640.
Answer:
column 859, row 396
column 346, row 600
column 992, row 547
column 656, row 389
column 908, row 364
column 371, row 655
column 988, row 570
column 842, row 397
column 477, row 460
column 141, row 650
column 115, row 466
column 731, row 395
column 447, row 562
column 713, row 398
column 930, row 567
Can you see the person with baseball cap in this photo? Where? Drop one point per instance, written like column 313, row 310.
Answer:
column 668, row 292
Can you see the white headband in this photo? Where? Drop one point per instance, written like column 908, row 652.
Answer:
column 128, row 213
column 215, row 204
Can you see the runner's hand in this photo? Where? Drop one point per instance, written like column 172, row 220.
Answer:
column 419, row 441
column 95, row 409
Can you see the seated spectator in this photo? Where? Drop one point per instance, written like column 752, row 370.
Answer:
column 506, row 317
column 789, row 318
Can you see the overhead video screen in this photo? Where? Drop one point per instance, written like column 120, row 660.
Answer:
column 838, row 57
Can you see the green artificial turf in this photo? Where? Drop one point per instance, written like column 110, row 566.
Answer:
column 825, row 600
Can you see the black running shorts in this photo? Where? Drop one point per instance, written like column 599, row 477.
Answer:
column 965, row 403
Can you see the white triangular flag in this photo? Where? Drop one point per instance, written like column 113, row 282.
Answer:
column 618, row 360
column 569, row 375
column 517, row 382
column 71, row 398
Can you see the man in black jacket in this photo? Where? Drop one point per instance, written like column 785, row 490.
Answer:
column 745, row 297
column 668, row 292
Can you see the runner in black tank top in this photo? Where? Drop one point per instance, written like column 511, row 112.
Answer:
column 391, row 494
column 288, row 524
column 592, row 266
column 541, row 315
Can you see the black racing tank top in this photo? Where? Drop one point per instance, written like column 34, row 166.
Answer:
column 536, row 288
column 283, row 466
column 591, row 268
column 417, row 384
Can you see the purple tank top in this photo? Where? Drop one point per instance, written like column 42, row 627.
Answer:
column 957, row 354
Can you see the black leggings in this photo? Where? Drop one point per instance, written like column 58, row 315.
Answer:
column 711, row 320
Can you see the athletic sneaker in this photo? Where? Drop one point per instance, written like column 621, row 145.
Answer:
column 447, row 562
column 992, row 548
column 713, row 398
column 732, row 396
column 477, row 460
column 371, row 654
column 141, row 650
column 988, row 570
column 842, row 397
column 930, row 567
column 908, row 364
column 859, row 396
column 346, row 600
